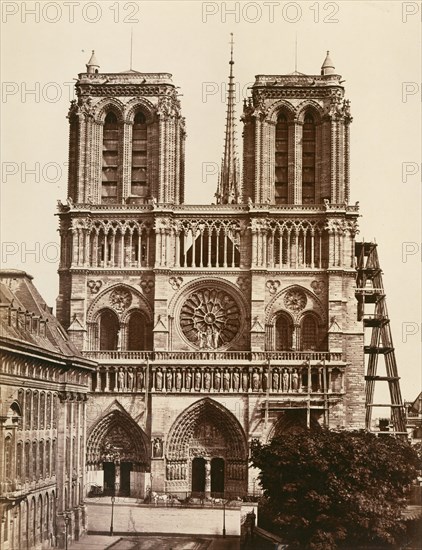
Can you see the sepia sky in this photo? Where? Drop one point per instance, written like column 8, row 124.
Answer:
column 375, row 46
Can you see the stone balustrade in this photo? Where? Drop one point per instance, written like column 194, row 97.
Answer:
column 208, row 355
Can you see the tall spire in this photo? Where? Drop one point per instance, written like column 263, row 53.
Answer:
column 229, row 191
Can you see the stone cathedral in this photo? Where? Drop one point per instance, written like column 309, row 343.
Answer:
column 213, row 326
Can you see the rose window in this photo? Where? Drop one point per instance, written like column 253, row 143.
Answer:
column 210, row 318
column 120, row 299
column 295, row 300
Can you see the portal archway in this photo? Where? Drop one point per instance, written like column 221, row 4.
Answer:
column 117, row 455
column 207, row 448
column 293, row 422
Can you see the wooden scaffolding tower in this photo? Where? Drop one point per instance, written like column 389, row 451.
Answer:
column 370, row 290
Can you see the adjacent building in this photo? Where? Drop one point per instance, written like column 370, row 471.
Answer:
column 44, row 382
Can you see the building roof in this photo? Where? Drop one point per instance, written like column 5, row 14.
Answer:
column 416, row 406
column 27, row 319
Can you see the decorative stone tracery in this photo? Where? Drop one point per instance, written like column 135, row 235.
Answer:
column 295, row 300
column 120, row 299
column 209, row 318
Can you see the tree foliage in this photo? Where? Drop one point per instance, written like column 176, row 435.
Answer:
column 327, row 489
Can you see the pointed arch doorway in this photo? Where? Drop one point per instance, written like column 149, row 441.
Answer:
column 117, row 457
column 207, row 452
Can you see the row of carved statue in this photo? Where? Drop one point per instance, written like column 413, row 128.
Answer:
column 176, row 470
column 219, row 380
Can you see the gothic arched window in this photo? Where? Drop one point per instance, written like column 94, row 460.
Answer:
column 21, row 401
column 309, row 333
column 35, row 411
column 41, row 458
column 19, row 459
column 27, row 460
column 284, row 332
column 8, row 457
column 281, row 160
column 308, row 160
column 136, row 332
column 28, row 409
column 110, row 159
column 34, row 469
column 109, row 330
column 42, row 410
column 139, row 180
column 53, row 457
column 47, row 458
column 48, row 411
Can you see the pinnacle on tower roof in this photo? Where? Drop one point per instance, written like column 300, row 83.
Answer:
column 328, row 65
column 228, row 191
column 92, row 66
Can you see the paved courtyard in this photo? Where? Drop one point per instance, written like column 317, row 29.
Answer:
column 131, row 519
column 156, row 542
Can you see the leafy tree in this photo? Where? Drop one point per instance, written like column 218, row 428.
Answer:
column 327, row 489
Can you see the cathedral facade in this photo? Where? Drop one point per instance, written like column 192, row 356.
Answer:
column 212, row 325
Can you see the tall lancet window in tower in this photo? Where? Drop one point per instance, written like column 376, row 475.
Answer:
column 308, row 160
column 110, row 159
column 139, row 183
column 281, row 160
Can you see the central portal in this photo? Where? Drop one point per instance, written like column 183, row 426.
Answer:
column 206, row 475
column 206, row 452
column 117, row 478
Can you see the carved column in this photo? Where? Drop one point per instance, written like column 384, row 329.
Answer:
column 87, row 247
column 176, row 237
column 207, row 478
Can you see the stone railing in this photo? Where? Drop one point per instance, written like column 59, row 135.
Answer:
column 211, row 208
column 302, row 79
column 220, row 356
